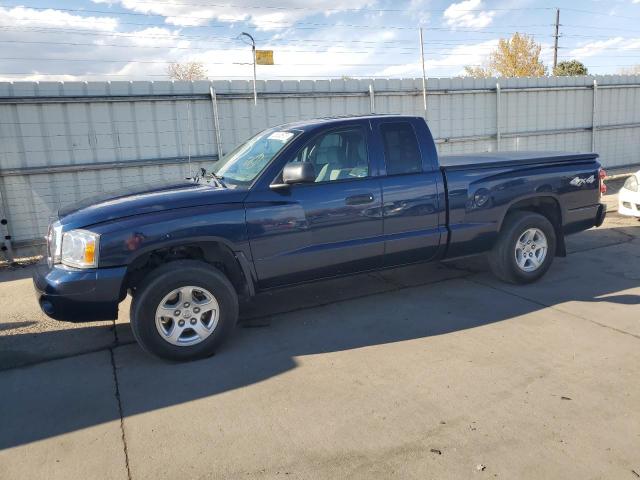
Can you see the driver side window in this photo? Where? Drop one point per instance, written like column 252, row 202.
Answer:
column 337, row 155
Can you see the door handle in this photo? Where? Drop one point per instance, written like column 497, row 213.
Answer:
column 360, row 199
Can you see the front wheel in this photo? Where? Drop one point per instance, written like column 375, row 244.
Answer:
column 525, row 248
column 183, row 310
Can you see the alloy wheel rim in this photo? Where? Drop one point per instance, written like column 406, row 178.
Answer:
column 531, row 249
column 187, row 316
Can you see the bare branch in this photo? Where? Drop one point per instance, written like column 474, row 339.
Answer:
column 187, row 71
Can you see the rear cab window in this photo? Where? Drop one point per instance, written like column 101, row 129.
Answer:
column 401, row 150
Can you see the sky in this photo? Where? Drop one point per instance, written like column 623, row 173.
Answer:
column 136, row 39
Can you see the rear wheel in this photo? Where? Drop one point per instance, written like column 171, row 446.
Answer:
column 525, row 248
column 183, row 310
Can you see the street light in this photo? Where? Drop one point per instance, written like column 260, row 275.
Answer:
column 253, row 51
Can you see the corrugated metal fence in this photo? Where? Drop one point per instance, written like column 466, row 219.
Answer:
column 60, row 142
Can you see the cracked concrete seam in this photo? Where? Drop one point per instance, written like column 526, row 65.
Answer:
column 120, row 411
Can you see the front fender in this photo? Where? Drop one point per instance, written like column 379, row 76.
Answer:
column 124, row 240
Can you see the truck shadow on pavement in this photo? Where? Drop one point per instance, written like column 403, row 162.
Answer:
column 60, row 397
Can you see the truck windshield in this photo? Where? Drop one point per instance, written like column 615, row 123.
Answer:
column 246, row 162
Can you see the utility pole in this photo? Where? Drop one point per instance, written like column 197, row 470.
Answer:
column 555, row 43
column 424, row 76
column 253, row 51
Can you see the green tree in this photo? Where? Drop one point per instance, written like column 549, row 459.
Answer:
column 570, row 68
column 518, row 56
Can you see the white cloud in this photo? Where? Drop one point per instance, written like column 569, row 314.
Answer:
column 595, row 48
column 27, row 17
column 44, row 45
column 418, row 9
column 468, row 13
column 193, row 13
column 113, row 51
column 290, row 61
column 546, row 54
column 50, row 54
column 158, row 37
column 452, row 60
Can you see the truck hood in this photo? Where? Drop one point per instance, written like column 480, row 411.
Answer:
column 143, row 199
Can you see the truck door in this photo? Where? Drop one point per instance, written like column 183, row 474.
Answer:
column 413, row 213
column 328, row 227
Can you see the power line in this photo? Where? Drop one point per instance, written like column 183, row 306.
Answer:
column 164, row 62
column 604, row 14
column 288, row 8
column 595, row 27
column 312, row 9
column 224, row 77
column 411, row 50
column 295, row 25
column 309, row 42
column 57, row 30
column 371, row 49
column 317, row 76
column 609, row 56
column 20, row 42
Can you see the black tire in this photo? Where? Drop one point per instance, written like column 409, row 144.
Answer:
column 161, row 282
column 502, row 258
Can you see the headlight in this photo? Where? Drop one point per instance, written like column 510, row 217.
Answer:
column 80, row 249
column 631, row 183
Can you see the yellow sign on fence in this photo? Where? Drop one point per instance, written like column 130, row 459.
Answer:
column 264, row 57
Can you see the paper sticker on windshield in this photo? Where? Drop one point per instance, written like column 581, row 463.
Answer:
column 281, row 136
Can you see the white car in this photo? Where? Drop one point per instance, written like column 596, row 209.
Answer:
column 629, row 196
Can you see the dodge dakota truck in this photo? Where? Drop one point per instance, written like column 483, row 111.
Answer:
column 300, row 202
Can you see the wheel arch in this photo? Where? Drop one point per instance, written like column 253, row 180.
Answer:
column 549, row 207
column 215, row 252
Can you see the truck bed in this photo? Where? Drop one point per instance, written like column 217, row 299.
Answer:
column 506, row 159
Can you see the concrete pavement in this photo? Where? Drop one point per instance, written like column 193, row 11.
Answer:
column 421, row 372
column 60, row 419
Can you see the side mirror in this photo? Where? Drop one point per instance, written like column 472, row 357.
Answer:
column 297, row 172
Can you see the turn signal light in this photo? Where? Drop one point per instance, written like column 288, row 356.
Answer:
column 90, row 253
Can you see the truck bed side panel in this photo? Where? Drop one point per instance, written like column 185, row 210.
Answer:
column 479, row 198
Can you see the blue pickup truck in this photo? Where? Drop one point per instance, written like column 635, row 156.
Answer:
column 301, row 202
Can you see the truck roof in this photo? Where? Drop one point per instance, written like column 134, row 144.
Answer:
column 315, row 122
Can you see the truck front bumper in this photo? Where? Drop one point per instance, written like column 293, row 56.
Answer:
column 76, row 295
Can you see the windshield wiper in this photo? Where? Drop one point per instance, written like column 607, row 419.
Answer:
column 208, row 176
column 218, row 179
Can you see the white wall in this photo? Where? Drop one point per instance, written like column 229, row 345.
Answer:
column 57, row 145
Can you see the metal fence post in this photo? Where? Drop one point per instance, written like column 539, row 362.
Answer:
column 424, row 76
column 594, row 117
column 498, row 132
column 216, row 121
column 372, row 98
column 4, row 228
